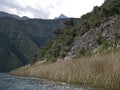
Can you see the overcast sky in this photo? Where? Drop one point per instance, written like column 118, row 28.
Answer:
column 48, row 9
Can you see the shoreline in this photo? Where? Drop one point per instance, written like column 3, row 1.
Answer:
column 96, row 70
column 73, row 84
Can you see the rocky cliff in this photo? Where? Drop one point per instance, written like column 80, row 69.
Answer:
column 108, row 33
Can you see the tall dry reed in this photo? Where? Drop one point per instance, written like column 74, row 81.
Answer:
column 96, row 70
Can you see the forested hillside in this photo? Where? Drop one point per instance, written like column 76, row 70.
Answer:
column 21, row 39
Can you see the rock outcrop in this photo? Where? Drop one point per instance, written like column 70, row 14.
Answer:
column 108, row 32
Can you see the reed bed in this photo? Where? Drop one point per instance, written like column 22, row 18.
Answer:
column 96, row 70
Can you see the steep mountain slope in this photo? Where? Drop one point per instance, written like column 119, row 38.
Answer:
column 21, row 39
column 60, row 44
column 95, row 31
column 8, row 59
column 98, row 30
column 104, row 37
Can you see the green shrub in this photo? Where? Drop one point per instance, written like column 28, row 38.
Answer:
column 105, row 46
column 82, row 51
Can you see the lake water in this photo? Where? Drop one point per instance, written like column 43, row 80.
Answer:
column 9, row 82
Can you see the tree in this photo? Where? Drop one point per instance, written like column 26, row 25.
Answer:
column 69, row 22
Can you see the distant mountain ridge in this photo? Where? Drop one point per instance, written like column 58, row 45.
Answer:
column 4, row 14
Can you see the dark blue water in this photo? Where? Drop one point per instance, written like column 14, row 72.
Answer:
column 9, row 82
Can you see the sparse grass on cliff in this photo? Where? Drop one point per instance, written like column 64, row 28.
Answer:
column 96, row 70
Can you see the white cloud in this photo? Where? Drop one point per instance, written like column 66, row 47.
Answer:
column 75, row 8
column 48, row 8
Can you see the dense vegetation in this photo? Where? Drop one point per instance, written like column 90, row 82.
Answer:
column 64, row 38
column 60, row 44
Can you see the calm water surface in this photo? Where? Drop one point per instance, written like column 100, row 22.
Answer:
column 9, row 82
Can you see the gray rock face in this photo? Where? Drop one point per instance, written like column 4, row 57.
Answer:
column 92, row 40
